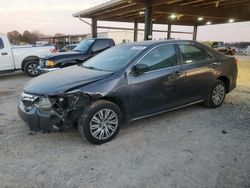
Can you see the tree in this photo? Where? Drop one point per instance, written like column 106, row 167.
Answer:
column 39, row 34
column 30, row 38
column 14, row 37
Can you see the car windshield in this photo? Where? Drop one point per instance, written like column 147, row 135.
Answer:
column 84, row 45
column 114, row 58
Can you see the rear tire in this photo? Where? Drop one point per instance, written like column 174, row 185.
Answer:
column 30, row 68
column 100, row 122
column 216, row 95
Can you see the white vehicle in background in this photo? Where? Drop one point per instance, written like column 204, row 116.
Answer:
column 25, row 58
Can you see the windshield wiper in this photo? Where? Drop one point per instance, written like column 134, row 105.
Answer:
column 77, row 50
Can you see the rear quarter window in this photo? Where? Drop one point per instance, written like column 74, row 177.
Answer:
column 1, row 44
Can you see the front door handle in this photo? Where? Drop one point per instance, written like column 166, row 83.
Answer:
column 175, row 75
column 4, row 53
column 178, row 73
column 215, row 64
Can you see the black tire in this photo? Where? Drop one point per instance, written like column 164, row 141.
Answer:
column 210, row 102
column 91, row 111
column 30, row 68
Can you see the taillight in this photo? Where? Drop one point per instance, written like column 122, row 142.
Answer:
column 235, row 61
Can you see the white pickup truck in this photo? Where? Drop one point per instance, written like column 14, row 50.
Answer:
column 25, row 58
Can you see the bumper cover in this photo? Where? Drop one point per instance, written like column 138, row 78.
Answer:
column 37, row 120
column 45, row 70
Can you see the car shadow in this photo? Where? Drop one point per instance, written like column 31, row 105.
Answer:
column 13, row 75
column 72, row 136
column 169, row 116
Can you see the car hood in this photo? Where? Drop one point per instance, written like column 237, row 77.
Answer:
column 58, row 82
column 65, row 55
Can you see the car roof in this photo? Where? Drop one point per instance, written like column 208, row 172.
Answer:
column 153, row 43
column 158, row 42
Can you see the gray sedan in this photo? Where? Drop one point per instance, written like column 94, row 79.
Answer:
column 126, row 83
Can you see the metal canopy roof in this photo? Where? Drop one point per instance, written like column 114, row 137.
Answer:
column 176, row 12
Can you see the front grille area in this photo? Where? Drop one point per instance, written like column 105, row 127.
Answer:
column 42, row 63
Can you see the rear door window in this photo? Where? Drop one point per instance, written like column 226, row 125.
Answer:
column 1, row 44
column 190, row 53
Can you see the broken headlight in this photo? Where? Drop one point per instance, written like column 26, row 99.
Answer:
column 43, row 103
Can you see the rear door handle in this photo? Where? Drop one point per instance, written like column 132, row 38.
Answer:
column 4, row 53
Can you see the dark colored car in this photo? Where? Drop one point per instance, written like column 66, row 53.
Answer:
column 83, row 51
column 126, row 83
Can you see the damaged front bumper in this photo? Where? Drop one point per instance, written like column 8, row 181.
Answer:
column 45, row 70
column 38, row 120
column 50, row 114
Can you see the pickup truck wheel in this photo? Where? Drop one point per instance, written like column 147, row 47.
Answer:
column 216, row 96
column 30, row 68
column 100, row 122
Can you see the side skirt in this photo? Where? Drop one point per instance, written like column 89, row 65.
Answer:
column 161, row 112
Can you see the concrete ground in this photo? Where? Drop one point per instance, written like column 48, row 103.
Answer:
column 192, row 147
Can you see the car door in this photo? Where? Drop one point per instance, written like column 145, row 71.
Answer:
column 197, row 66
column 157, row 88
column 6, row 61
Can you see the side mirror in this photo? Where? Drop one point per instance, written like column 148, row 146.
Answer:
column 140, row 68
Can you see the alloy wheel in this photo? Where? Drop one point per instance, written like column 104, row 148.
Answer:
column 218, row 94
column 32, row 69
column 103, row 124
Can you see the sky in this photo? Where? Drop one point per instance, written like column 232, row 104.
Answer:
column 55, row 16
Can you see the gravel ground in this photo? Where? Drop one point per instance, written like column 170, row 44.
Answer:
column 192, row 147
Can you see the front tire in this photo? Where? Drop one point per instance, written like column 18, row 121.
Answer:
column 216, row 96
column 100, row 122
column 30, row 68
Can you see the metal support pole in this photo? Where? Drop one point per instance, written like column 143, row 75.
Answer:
column 169, row 31
column 148, row 21
column 69, row 40
column 135, row 30
column 195, row 32
column 94, row 28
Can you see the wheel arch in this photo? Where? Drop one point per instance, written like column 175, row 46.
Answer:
column 25, row 60
column 117, row 102
column 226, row 82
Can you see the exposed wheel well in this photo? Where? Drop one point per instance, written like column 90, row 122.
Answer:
column 226, row 82
column 28, row 59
